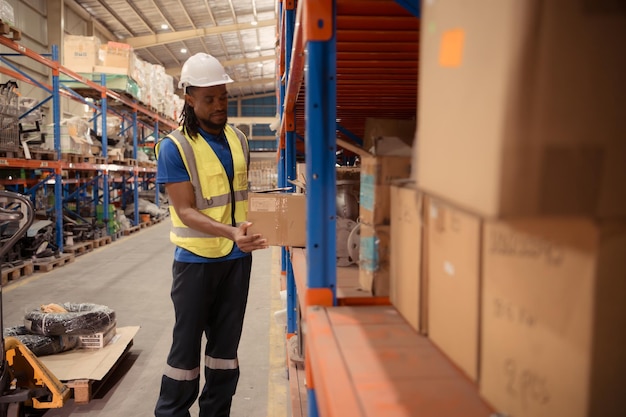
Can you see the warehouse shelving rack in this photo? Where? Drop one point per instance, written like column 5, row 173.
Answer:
column 341, row 61
column 129, row 109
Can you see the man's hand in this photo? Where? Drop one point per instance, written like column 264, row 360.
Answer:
column 248, row 243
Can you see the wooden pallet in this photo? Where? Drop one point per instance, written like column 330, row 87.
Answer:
column 132, row 230
column 99, row 369
column 79, row 248
column 102, row 241
column 100, row 160
column 16, row 272
column 6, row 29
column 75, row 158
column 49, row 265
column 17, row 153
column 84, row 390
column 42, row 155
column 128, row 162
column 157, row 220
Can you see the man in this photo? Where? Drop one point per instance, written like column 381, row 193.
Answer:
column 204, row 166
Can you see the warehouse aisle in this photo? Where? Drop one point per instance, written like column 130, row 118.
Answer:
column 132, row 276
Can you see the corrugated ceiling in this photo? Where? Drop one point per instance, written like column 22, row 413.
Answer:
column 240, row 33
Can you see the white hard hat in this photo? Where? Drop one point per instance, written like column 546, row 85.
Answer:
column 202, row 70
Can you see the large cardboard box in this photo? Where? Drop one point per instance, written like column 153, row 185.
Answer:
column 554, row 318
column 374, row 259
column 521, row 107
column 388, row 136
column 453, row 274
column 279, row 217
column 377, row 172
column 405, row 258
column 80, row 53
column 117, row 55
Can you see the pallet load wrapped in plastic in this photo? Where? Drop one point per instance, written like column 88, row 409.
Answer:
column 74, row 319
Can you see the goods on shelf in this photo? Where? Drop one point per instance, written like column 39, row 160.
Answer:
column 406, row 291
column 6, row 12
column 9, row 129
column 547, row 137
column 262, row 175
column 80, row 53
column 74, row 136
column 116, row 55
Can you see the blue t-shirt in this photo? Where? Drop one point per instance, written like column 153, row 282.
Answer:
column 171, row 168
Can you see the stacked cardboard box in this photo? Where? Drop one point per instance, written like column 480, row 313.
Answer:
column 378, row 171
column 80, row 53
column 521, row 164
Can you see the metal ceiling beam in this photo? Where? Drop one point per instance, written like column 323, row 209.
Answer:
column 175, row 71
column 79, row 10
column 146, row 41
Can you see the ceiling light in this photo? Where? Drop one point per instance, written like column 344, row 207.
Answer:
column 258, row 47
column 183, row 50
column 254, row 23
column 259, row 65
column 164, row 26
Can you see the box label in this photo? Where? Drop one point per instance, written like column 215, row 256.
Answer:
column 451, row 52
column 263, row 205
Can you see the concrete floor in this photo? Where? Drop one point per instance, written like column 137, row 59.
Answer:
column 132, row 276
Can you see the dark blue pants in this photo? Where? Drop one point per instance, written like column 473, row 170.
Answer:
column 208, row 298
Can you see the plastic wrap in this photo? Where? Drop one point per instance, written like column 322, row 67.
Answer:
column 42, row 345
column 81, row 319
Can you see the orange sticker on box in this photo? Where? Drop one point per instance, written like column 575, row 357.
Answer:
column 451, row 52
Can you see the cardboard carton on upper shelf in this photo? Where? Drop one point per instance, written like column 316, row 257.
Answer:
column 553, row 317
column 405, row 258
column 452, row 275
column 388, row 136
column 117, row 55
column 280, row 217
column 377, row 172
column 374, row 259
column 521, row 107
column 80, row 53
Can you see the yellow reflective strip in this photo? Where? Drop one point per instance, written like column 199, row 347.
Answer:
column 181, row 374
column 216, row 363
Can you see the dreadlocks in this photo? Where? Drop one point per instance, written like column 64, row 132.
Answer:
column 188, row 118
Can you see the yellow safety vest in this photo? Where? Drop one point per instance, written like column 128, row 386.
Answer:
column 214, row 193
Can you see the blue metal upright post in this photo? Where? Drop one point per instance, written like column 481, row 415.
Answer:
column 105, row 140
column 320, row 150
column 56, row 119
column 156, row 140
column 135, row 176
column 280, row 168
column 290, row 172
